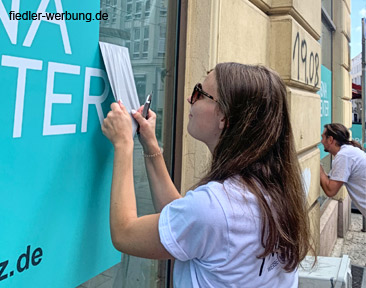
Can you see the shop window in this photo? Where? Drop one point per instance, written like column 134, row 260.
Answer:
column 325, row 92
column 144, row 38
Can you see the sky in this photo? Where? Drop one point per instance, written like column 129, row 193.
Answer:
column 358, row 11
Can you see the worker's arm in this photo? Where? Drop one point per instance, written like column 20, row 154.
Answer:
column 138, row 236
column 162, row 187
column 330, row 187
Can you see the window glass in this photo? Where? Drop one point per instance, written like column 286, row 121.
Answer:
column 129, row 8
column 161, row 44
column 141, row 26
column 137, row 34
column 145, row 50
column 163, row 8
column 326, row 46
column 147, row 8
column 138, row 9
column 146, row 32
column 328, row 6
column 136, row 49
column 325, row 94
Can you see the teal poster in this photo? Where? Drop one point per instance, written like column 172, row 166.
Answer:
column 55, row 163
column 357, row 133
column 325, row 93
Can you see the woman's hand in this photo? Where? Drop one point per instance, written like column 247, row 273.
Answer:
column 117, row 126
column 147, row 130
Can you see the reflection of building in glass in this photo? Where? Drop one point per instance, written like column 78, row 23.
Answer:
column 140, row 25
column 356, row 71
column 356, row 74
column 356, row 103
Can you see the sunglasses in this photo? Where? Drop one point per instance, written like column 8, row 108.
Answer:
column 197, row 92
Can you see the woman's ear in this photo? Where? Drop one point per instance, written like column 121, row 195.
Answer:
column 223, row 123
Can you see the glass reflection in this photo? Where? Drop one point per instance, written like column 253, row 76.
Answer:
column 140, row 26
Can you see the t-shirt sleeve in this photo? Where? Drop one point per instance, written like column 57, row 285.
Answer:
column 341, row 169
column 194, row 226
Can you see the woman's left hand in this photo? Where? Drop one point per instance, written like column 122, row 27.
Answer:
column 117, row 126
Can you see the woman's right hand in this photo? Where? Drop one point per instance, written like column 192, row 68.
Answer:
column 147, row 135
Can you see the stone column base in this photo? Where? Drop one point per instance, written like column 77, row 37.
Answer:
column 328, row 228
column 344, row 216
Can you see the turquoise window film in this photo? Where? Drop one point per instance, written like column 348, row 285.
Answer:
column 140, row 27
column 56, row 165
column 356, row 130
column 325, row 93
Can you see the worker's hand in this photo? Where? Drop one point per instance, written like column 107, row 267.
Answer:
column 117, row 126
column 147, row 130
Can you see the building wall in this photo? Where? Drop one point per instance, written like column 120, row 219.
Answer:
column 342, row 93
column 276, row 33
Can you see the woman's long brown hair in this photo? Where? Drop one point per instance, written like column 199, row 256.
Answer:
column 257, row 145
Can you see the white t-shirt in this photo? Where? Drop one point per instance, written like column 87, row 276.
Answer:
column 349, row 166
column 214, row 232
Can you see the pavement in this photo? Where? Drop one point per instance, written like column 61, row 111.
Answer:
column 354, row 244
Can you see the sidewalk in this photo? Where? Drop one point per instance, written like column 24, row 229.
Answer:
column 354, row 244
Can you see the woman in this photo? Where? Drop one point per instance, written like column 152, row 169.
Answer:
column 245, row 224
